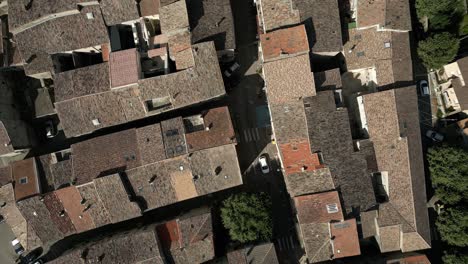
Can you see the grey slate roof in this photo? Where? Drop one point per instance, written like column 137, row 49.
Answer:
column 330, row 133
column 59, row 35
column 119, row 11
column 212, row 20
column 323, row 25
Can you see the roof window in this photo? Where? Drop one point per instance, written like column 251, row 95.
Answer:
column 90, row 15
column 387, row 44
column 96, row 122
column 332, row 208
column 23, row 180
column 360, row 54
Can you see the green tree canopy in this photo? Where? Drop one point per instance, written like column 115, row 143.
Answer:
column 463, row 30
column 438, row 50
column 452, row 224
column 441, row 13
column 247, row 217
column 449, row 173
column 455, row 257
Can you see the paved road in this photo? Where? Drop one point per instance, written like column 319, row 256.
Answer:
column 7, row 254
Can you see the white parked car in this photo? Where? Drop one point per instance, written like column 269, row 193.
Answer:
column 17, row 246
column 264, row 164
column 424, row 88
column 436, row 137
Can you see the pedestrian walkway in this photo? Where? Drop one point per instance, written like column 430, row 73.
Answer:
column 249, row 135
column 285, row 243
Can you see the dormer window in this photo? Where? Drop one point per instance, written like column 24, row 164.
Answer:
column 23, row 180
column 332, row 208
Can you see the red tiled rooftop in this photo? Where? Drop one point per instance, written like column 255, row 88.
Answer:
column 168, row 234
column 124, row 67
column 220, row 133
column 417, row 259
column 284, row 41
column 346, row 241
column 71, row 200
column 313, row 208
column 297, row 157
column 25, row 169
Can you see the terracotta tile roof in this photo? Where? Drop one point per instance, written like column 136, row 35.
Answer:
column 220, row 132
column 289, row 121
column 278, row 13
column 119, row 11
column 58, row 215
column 289, row 79
column 96, row 209
column 324, row 31
column 124, row 67
column 150, row 144
column 346, row 241
column 149, row 7
column 256, row 254
column 212, row 20
column 297, row 157
column 25, row 178
column 393, row 125
column 317, row 208
column 416, row 259
column 387, row 14
column 72, row 203
column 168, row 234
column 284, row 42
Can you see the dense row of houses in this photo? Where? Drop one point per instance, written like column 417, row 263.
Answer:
column 348, row 138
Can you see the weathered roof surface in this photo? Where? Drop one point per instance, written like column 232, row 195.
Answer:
column 12, row 215
column 5, row 141
column 124, row 67
column 389, row 52
column 387, row 14
column 278, row 13
column 317, row 243
column 328, row 80
column 72, row 203
column 136, row 247
column 256, row 254
column 150, row 144
column 211, row 20
column 96, row 208
column 195, row 239
column 415, row 259
column 115, row 198
column 368, row 223
column 105, row 155
column 82, row 81
column 26, row 180
column 21, row 12
column 5, row 175
column 330, row 132
column 393, row 124
column 220, row 130
column 58, row 215
column 301, row 183
column 61, row 34
column 346, row 242
column 119, row 11
column 289, row 79
column 289, row 121
column 200, row 83
column 314, row 208
column 322, row 22
column 173, row 137
column 284, row 42
column 173, row 16
column 39, row 218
